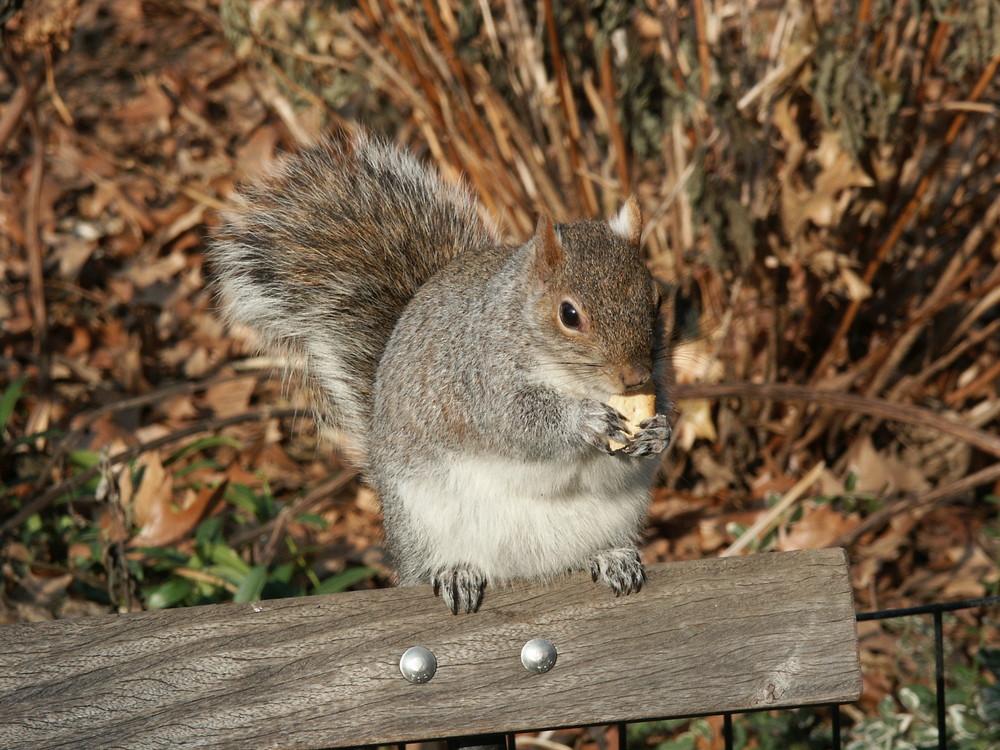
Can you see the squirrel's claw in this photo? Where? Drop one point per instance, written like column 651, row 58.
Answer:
column 601, row 422
column 652, row 438
column 461, row 588
column 619, row 568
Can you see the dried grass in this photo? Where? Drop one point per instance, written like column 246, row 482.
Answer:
column 819, row 179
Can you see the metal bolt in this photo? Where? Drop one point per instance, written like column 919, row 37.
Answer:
column 417, row 664
column 538, row 655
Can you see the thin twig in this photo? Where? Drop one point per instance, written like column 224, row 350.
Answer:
column 923, row 500
column 909, row 384
column 275, row 528
column 50, row 81
column 202, row 576
column 768, row 520
column 610, row 96
column 940, row 296
column 13, row 112
column 69, row 441
column 984, row 441
column 568, row 102
column 704, row 60
column 903, row 220
column 77, row 480
column 33, row 241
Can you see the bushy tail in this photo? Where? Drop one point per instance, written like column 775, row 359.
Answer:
column 321, row 256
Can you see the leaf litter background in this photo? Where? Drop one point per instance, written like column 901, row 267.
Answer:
column 820, row 185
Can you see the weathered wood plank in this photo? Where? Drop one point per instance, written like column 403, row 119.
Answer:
column 761, row 631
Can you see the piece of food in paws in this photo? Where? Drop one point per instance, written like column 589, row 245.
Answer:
column 636, row 408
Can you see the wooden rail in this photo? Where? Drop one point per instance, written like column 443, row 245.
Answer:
column 703, row 637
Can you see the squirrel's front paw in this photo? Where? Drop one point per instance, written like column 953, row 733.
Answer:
column 652, row 438
column 601, row 422
column 618, row 568
column 461, row 588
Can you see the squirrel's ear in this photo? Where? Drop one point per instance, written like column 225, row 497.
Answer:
column 548, row 252
column 627, row 224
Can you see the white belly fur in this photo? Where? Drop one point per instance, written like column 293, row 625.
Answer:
column 512, row 520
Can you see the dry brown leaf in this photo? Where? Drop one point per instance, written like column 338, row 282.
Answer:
column 232, row 396
column 81, row 342
column 179, row 408
column 715, row 475
column 155, row 489
column 712, row 534
column 819, row 527
column 880, row 473
column 162, row 270
column 164, row 524
column 886, row 547
column 199, row 363
column 150, row 106
column 70, row 252
column 696, row 362
column 257, row 152
column 967, row 572
column 975, row 570
column 696, row 423
column 47, row 22
column 823, row 202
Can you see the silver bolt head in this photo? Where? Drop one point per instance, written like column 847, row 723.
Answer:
column 417, row 664
column 538, row 655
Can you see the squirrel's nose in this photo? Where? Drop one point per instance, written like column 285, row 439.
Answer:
column 634, row 377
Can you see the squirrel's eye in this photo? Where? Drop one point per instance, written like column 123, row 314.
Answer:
column 569, row 316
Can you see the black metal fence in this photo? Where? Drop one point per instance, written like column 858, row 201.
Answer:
column 937, row 610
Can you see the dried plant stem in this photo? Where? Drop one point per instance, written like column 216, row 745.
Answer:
column 768, row 520
column 704, row 60
column 275, row 528
column 77, row 480
column 983, row 382
column 902, row 221
column 865, row 12
column 958, row 268
column 50, row 82
column 568, row 102
column 984, row 441
column 609, row 94
column 33, row 240
column 70, row 440
column 924, row 500
column 202, row 576
column 907, row 385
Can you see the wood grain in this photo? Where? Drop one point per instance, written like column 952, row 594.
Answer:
column 708, row 636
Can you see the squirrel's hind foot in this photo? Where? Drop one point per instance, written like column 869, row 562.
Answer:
column 461, row 588
column 619, row 568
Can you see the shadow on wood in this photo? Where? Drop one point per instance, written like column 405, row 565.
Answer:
column 702, row 637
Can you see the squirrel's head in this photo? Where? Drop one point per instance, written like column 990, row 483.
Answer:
column 597, row 312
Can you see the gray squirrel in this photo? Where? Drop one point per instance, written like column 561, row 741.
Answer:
column 471, row 377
